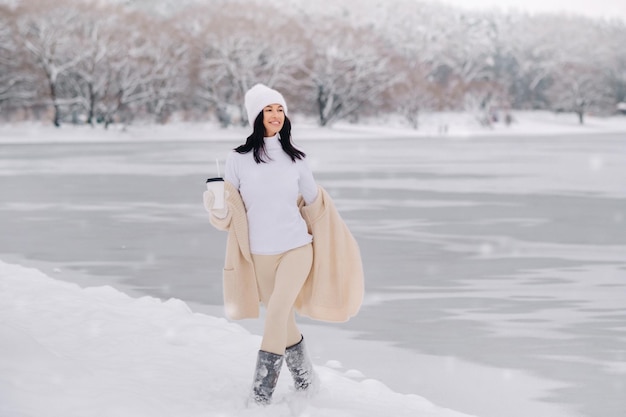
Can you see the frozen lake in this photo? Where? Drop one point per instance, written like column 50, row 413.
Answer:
column 491, row 255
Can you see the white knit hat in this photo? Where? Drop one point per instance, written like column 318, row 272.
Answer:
column 260, row 96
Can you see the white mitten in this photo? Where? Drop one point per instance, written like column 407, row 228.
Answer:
column 209, row 199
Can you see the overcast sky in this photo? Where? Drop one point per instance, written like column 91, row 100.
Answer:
column 593, row 8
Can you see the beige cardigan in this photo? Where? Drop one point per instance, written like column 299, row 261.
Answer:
column 334, row 288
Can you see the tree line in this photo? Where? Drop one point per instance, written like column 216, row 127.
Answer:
column 92, row 62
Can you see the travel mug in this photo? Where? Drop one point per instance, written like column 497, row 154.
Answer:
column 216, row 185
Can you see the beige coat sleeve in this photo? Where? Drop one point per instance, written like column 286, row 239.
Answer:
column 241, row 298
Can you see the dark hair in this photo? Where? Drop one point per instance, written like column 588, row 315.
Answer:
column 256, row 144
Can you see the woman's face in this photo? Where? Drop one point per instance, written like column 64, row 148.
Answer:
column 273, row 119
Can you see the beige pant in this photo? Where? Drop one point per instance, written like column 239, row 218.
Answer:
column 280, row 278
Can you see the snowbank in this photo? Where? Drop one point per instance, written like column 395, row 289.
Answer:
column 67, row 351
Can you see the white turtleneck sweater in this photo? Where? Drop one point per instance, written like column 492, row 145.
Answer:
column 270, row 193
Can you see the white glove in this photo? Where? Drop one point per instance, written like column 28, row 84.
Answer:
column 209, row 200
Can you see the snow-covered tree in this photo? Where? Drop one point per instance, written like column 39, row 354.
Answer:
column 98, row 43
column 128, row 72
column 576, row 82
column 153, row 58
column 530, row 48
column 233, row 65
column 10, row 78
column 613, row 58
column 236, row 50
column 168, row 58
column 127, row 85
column 415, row 90
column 48, row 33
column 20, row 85
column 575, row 88
column 346, row 72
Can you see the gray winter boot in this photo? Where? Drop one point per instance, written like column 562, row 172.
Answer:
column 299, row 365
column 265, row 376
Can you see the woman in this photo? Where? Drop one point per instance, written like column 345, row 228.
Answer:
column 269, row 253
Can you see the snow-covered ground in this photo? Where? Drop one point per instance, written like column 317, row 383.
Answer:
column 499, row 289
column 67, row 351
column 443, row 124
